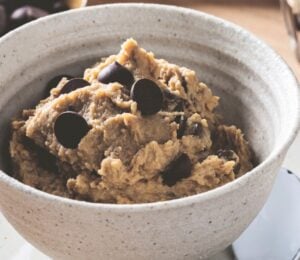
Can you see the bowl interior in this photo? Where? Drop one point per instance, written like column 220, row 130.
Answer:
column 237, row 67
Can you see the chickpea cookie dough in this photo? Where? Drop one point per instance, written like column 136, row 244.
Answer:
column 134, row 129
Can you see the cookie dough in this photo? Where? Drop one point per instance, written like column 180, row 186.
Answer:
column 134, row 129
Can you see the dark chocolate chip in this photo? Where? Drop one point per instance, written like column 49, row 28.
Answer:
column 180, row 106
column 95, row 173
column 54, row 82
column 115, row 72
column 203, row 155
column 173, row 102
column 230, row 155
column 2, row 19
column 95, row 176
column 45, row 159
column 74, row 84
column 196, row 129
column 226, row 154
column 236, row 168
column 28, row 143
column 181, row 121
column 70, row 128
column 178, row 169
column 148, row 96
column 184, row 85
column 24, row 15
column 168, row 94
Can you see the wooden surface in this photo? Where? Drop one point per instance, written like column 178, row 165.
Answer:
column 261, row 17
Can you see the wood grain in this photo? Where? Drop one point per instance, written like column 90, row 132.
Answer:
column 261, row 17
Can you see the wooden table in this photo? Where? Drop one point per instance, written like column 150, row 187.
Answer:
column 261, row 17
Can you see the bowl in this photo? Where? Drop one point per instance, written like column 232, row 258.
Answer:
column 259, row 94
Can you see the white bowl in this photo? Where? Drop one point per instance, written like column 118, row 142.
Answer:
column 259, row 93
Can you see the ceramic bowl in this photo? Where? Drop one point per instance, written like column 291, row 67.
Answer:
column 259, row 93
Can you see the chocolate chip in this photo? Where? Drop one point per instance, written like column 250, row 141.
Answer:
column 181, row 120
column 196, row 129
column 45, row 159
column 203, row 155
column 226, row 154
column 230, row 155
column 70, row 128
column 184, row 85
column 148, row 96
column 74, row 84
column 178, row 169
column 95, row 173
column 24, row 15
column 236, row 168
column 115, row 72
column 169, row 95
column 52, row 83
column 28, row 143
column 180, row 106
column 172, row 102
column 95, row 177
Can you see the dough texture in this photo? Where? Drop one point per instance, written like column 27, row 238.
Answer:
column 123, row 156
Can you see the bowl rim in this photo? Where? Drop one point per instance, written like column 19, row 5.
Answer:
column 184, row 201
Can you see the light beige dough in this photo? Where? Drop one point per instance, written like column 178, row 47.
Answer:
column 123, row 157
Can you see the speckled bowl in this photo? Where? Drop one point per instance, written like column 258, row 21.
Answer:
column 259, row 93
